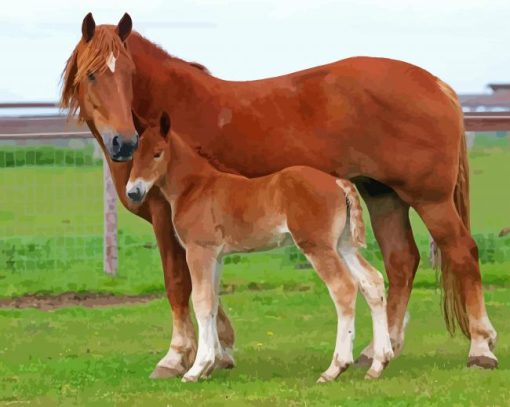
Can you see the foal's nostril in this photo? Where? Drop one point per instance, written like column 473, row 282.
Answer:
column 135, row 194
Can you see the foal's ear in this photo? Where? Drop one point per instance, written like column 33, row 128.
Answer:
column 124, row 26
column 140, row 124
column 164, row 124
column 88, row 26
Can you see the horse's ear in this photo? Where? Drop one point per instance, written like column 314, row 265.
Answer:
column 140, row 124
column 164, row 124
column 88, row 26
column 124, row 26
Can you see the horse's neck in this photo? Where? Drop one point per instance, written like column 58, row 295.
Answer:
column 164, row 82
column 186, row 169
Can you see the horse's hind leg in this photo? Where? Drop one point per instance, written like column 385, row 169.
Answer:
column 389, row 217
column 342, row 289
column 371, row 284
column 462, row 282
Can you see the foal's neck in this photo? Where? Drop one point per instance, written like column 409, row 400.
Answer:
column 186, row 169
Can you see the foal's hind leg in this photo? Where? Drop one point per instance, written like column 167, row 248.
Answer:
column 462, row 280
column 225, row 330
column 342, row 289
column 371, row 284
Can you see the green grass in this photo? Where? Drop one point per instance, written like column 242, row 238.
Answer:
column 77, row 356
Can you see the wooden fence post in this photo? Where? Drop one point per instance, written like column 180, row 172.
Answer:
column 110, row 249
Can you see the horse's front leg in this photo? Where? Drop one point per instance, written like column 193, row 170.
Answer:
column 181, row 354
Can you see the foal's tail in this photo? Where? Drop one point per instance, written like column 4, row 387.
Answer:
column 454, row 306
column 355, row 215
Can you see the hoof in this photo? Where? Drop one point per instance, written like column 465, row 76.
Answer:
column 363, row 361
column 372, row 374
column 325, row 379
column 226, row 362
column 492, row 343
column 482, row 362
column 189, row 379
column 161, row 372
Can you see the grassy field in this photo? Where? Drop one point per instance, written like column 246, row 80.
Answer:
column 284, row 319
column 285, row 338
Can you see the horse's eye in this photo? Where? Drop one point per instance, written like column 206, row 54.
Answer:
column 91, row 76
column 157, row 155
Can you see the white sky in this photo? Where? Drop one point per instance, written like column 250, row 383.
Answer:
column 465, row 42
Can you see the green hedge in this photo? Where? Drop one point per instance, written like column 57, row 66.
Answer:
column 491, row 249
column 15, row 156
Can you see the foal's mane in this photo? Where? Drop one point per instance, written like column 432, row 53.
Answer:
column 213, row 160
column 92, row 56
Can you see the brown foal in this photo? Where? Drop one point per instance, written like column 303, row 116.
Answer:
column 216, row 213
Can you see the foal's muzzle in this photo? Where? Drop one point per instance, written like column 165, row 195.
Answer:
column 136, row 191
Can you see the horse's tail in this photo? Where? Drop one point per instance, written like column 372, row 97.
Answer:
column 454, row 306
column 355, row 213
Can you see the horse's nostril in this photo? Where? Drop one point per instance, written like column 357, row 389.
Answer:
column 115, row 141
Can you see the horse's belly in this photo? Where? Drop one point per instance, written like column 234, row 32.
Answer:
column 258, row 242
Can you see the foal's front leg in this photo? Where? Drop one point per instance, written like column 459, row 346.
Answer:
column 203, row 266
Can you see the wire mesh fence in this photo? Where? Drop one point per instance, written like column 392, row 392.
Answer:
column 52, row 206
column 52, row 210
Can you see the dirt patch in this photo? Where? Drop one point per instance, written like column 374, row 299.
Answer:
column 50, row 302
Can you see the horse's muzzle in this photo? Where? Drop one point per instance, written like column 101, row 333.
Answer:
column 122, row 149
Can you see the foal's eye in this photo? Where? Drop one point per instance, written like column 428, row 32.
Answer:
column 91, row 76
column 157, row 155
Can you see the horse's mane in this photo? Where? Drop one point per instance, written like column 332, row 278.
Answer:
column 92, row 56
column 154, row 50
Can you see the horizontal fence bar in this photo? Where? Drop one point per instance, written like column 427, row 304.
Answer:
column 20, row 105
column 47, row 136
column 42, row 127
column 36, row 125
column 487, row 121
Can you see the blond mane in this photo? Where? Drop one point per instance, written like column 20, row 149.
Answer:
column 88, row 58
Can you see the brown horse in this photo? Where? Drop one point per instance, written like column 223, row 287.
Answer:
column 321, row 214
column 393, row 128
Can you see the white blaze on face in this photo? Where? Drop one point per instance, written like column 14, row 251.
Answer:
column 143, row 185
column 110, row 62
